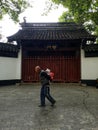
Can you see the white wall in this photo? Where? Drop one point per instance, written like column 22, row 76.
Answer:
column 10, row 68
column 89, row 67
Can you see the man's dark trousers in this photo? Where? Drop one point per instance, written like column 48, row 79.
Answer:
column 45, row 92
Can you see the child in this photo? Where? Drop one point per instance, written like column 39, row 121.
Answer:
column 50, row 73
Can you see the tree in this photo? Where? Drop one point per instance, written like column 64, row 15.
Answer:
column 81, row 11
column 13, row 8
column 66, row 17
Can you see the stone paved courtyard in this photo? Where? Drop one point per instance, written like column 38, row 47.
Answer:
column 76, row 108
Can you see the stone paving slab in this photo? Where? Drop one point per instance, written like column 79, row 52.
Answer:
column 76, row 108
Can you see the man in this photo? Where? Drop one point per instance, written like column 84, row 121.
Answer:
column 45, row 89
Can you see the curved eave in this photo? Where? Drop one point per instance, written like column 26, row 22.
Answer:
column 14, row 37
column 51, row 34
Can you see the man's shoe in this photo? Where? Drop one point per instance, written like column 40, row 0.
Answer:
column 53, row 103
column 42, row 105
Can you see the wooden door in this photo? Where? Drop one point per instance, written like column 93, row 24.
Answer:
column 66, row 69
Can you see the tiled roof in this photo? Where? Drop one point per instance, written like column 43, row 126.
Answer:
column 91, row 47
column 8, row 47
column 51, row 31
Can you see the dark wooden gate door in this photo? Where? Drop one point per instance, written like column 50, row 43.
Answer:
column 66, row 69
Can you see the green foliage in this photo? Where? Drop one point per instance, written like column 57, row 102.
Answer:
column 66, row 17
column 96, row 32
column 81, row 11
column 94, row 17
column 13, row 8
column 49, row 5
